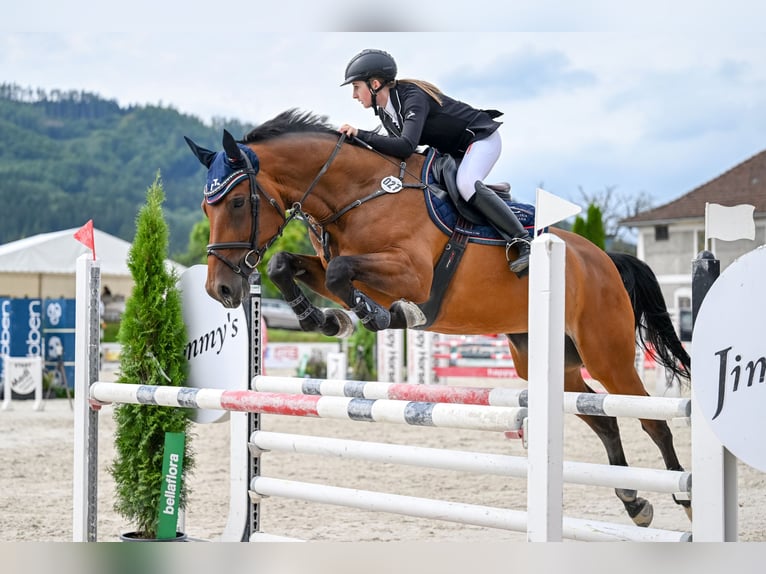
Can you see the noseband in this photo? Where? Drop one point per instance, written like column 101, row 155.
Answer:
column 254, row 255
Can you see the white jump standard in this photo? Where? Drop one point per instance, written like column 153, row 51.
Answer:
column 498, row 410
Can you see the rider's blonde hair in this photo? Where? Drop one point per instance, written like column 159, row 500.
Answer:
column 427, row 87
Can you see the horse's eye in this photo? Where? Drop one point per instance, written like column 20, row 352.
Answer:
column 238, row 202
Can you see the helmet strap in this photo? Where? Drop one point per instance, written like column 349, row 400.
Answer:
column 374, row 94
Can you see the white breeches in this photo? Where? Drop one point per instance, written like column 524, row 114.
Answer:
column 477, row 163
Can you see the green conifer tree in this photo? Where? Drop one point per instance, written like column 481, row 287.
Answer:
column 578, row 226
column 591, row 228
column 595, row 226
column 152, row 335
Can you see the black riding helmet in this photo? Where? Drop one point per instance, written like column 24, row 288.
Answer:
column 370, row 64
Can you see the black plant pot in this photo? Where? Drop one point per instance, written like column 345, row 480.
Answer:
column 136, row 537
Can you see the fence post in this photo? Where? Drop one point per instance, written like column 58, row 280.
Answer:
column 545, row 479
column 87, row 339
column 714, row 468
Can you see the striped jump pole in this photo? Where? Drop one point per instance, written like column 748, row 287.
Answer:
column 599, row 404
column 444, row 415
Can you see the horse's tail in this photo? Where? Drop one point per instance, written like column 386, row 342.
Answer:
column 653, row 324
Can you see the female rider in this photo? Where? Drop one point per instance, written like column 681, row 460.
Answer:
column 416, row 113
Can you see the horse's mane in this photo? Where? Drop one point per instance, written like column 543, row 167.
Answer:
column 290, row 121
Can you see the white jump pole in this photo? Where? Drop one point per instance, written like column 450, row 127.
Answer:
column 462, row 513
column 545, row 481
column 584, row 473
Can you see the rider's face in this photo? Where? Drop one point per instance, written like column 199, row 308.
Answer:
column 362, row 93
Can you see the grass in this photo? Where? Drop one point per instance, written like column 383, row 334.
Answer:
column 110, row 332
column 288, row 336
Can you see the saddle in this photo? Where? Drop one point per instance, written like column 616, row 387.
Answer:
column 450, row 212
column 462, row 223
column 440, row 172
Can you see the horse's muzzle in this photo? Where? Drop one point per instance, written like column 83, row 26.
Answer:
column 229, row 293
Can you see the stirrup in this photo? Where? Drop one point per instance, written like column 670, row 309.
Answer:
column 513, row 242
column 520, row 265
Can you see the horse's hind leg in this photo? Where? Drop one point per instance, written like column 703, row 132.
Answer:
column 607, row 430
column 613, row 366
column 660, row 433
column 639, row 509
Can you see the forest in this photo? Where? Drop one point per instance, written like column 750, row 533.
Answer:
column 70, row 156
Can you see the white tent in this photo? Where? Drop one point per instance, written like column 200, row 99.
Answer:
column 44, row 265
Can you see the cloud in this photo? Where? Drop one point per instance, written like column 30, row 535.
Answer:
column 693, row 103
column 521, row 75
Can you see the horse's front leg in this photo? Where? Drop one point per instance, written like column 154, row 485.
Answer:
column 389, row 276
column 283, row 269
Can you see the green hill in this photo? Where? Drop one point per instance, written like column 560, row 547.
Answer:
column 66, row 157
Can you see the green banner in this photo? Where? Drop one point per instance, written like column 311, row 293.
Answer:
column 172, row 479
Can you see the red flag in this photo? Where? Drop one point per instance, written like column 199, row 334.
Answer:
column 85, row 236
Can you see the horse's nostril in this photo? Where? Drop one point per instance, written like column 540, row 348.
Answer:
column 224, row 292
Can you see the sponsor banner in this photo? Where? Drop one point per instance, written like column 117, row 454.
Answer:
column 391, row 356
column 5, row 331
column 20, row 329
column 420, row 355
column 729, row 358
column 217, row 342
column 23, row 376
column 289, row 355
column 172, row 481
column 26, row 328
column 337, row 365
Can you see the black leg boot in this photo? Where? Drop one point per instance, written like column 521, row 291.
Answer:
column 506, row 223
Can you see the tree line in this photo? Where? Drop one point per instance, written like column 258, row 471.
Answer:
column 66, row 157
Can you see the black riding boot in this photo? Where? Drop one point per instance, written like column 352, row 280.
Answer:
column 506, row 223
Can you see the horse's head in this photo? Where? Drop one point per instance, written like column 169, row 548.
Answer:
column 232, row 205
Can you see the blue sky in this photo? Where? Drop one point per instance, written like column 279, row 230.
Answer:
column 651, row 99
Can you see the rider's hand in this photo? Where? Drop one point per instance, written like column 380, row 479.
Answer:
column 350, row 131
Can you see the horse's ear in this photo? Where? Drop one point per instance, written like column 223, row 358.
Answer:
column 230, row 147
column 205, row 156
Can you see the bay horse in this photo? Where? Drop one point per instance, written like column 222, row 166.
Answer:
column 377, row 248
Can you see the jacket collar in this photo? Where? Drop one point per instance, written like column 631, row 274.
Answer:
column 394, row 101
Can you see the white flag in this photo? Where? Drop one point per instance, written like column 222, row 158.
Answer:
column 551, row 209
column 729, row 223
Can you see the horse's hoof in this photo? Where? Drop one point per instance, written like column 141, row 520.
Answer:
column 345, row 324
column 641, row 511
column 686, row 504
column 411, row 312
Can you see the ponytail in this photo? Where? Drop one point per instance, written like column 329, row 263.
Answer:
column 427, row 87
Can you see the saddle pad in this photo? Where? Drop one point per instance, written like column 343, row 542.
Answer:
column 444, row 216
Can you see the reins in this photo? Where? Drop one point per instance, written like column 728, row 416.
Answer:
column 378, row 193
column 254, row 255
